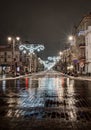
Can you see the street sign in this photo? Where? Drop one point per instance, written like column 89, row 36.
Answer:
column 81, row 64
column 75, row 61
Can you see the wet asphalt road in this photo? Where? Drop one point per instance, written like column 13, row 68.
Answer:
column 45, row 101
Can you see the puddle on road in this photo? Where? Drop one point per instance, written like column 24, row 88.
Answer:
column 65, row 95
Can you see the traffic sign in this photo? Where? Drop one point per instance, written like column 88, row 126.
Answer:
column 81, row 64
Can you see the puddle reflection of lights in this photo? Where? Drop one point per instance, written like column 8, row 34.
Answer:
column 71, row 99
column 9, row 114
column 41, row 82
column 62, row 82
column 4, row 85
column 18, row 84
column 61, row 92
column 70, row 82
column 70, row 85
column 72, row 115
column 26, row 82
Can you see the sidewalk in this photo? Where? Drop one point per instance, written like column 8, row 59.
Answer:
column 7, row 77
column 87, row 78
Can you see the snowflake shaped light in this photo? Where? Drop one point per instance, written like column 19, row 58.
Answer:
column 31, row 48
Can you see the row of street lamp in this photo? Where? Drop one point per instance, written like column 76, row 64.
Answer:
column 71, row 39
column 26, row 49
column 12, row 41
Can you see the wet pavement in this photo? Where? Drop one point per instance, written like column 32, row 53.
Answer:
column 46, row 101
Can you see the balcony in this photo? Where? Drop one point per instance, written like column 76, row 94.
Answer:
column 81, row 33
column 82, row 45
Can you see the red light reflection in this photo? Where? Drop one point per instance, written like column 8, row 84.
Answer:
column 63, row 82
column 26, row 82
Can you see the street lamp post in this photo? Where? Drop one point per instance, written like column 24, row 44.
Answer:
column 60, row 53
column 71, row 39
column 12, row 40
column 74, row 52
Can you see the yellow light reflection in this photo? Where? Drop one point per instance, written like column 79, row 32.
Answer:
column 71, row 99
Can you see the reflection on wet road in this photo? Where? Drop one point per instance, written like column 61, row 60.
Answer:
column 45, row 99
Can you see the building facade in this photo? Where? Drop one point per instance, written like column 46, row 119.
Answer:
column 20, row 63
column 7, row 61
column 88, row 50
column 82, row 41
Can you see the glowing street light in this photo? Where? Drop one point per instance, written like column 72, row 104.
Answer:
column 12, row 40
column 9, row 38
column 17, row 38
column 70, row 38
column 60, row 53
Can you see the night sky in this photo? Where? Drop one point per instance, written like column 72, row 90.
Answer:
column 42, row 21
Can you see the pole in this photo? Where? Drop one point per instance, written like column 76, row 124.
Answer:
column 14, row 59
column 13, row 48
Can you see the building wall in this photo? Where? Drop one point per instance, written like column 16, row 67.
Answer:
column 88, row 50
column 8, row 57
column 17, row 56
column 2, row 57
column 21, row 60
column 81, row 43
